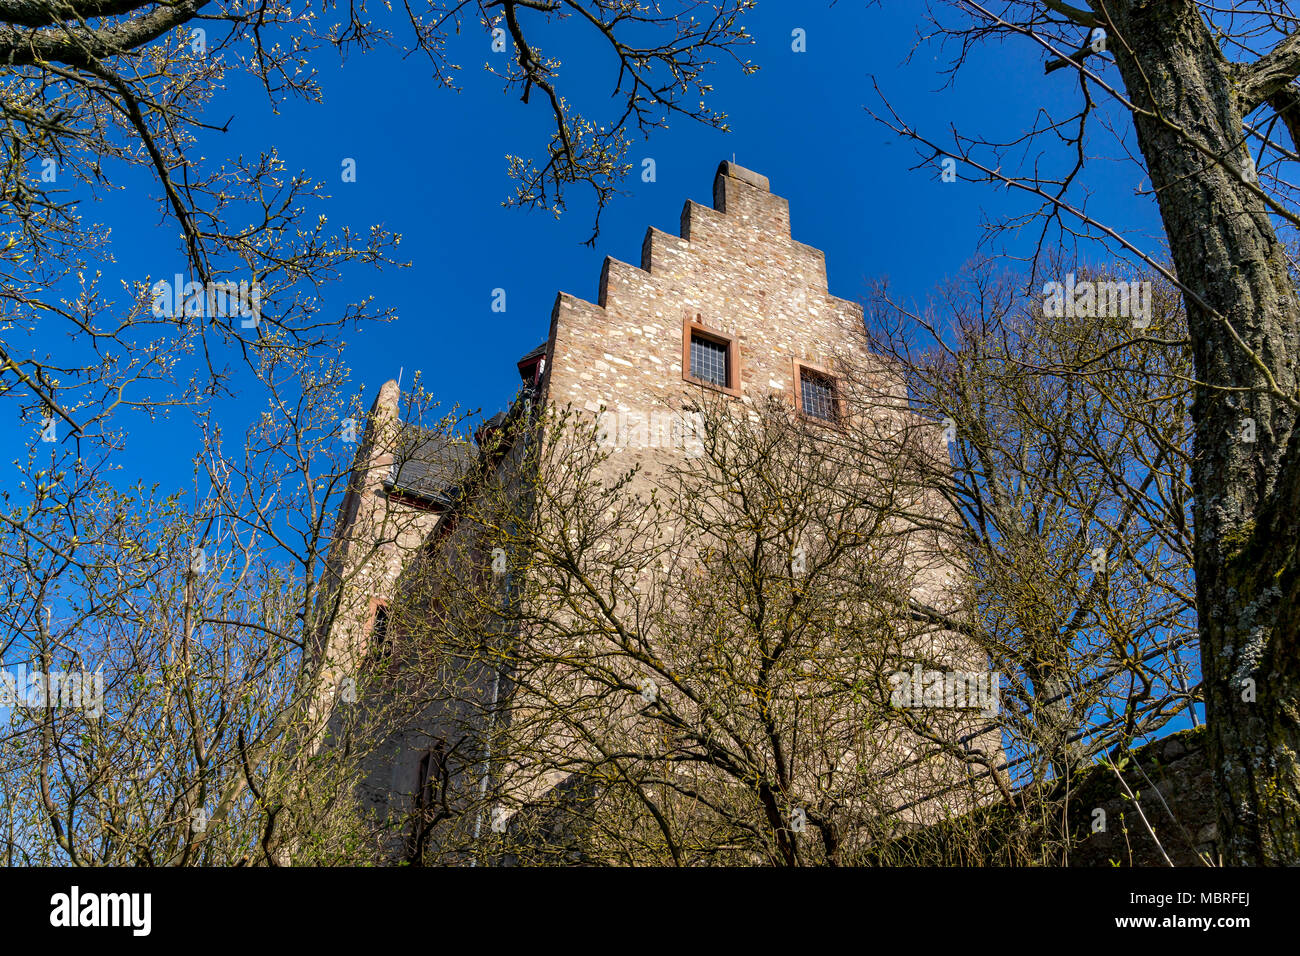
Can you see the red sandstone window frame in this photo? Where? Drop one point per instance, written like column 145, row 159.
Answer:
column 837, row 400
column 691, row 328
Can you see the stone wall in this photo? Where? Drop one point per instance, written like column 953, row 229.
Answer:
column 737, row 270
column 1167, row 782
column 374, row 539
column 1171, row 781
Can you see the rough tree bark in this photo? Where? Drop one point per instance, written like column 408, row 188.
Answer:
column 1189, row 104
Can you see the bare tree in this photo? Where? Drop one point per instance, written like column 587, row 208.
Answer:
column 1208, row 90
column 98, row 94
column 1069, row 494
column 694, row 672
column 209, row 694
column 186, row 734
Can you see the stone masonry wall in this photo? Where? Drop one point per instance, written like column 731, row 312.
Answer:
column 734, row 269
column 1171, row 781
column 738, row 270
column 375, row 539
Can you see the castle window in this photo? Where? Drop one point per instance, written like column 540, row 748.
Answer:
column 379, row 637
column 432, row 774
column 710, row 358
column 708, row 361
column 430, row 800
column 816, row 393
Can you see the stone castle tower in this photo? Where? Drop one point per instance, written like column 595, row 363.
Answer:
column 732, row 307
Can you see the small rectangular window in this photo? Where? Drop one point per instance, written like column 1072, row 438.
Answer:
column 432, row 772
column 430, row 800
column 818, row 395
column 709, row 361
column 710, row 357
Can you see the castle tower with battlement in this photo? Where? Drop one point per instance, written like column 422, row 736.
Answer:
column 731, row 309
column 733, row 277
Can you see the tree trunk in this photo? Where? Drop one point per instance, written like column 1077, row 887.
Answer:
column 1247, row 509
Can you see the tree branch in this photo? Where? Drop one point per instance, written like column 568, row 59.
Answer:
column 80, row 45
column 1084, row 18
column 44, row 13
column 1269, row 74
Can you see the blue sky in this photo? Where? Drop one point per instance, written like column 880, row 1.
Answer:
column 430, row 165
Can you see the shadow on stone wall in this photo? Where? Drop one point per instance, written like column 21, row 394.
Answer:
column 1098, row 821
column 1169, row 780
